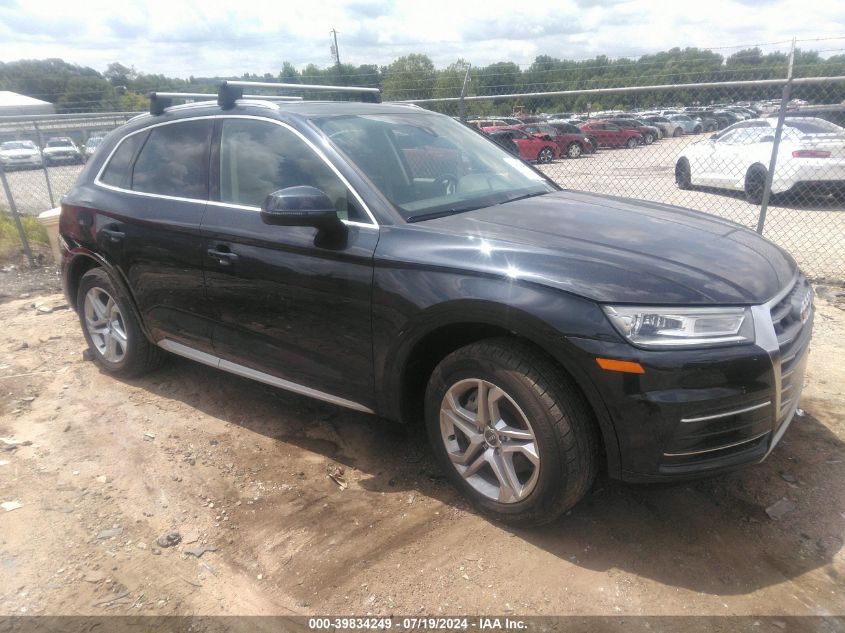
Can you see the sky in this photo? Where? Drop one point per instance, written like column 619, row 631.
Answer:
column 181, row 38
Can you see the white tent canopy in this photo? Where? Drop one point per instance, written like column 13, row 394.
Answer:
column 12, row 103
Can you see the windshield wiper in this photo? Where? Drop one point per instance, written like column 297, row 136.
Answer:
column 442, row 213
column 524, row 196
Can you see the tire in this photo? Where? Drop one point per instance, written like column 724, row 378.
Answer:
column 111, row 330
column 632, row 142
column 649, row 139
column 678, row 132
column 545, row 155
column 683, row 174
column 697, row 129
column 538, row 406
column 574, row 150
column 755, row 182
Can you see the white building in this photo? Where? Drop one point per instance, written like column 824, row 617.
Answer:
column 12, row 104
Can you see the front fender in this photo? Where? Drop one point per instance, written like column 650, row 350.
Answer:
column 409, row 305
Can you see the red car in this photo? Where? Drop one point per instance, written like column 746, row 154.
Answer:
column 570, row 144
column 541, row 149
column 611, row 135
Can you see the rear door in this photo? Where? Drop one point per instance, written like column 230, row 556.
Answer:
column 156, row 184
column 287, row 304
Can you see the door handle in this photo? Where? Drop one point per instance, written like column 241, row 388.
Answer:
column 114, row 236
column 224, row 258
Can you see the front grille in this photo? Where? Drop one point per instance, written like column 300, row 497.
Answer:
column 793, row 336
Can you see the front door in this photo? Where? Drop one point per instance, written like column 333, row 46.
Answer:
column 288, row 303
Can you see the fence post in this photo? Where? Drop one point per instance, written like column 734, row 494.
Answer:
column 770, row 174
column 462, row 106
column 44, row 164
column 17, row 218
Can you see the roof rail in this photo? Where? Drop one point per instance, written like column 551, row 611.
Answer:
column 231, row 91
column 161, row 100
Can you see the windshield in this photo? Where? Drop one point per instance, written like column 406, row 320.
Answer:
column 17, row 145
column 428, row 165
column 59, row 143
column 93, row 142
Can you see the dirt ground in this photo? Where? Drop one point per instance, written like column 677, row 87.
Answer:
column 102, row 468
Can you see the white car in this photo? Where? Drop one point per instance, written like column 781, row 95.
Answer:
column 20, row 154
column 738, row 159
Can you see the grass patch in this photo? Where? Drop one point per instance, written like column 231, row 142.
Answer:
column 10, row 242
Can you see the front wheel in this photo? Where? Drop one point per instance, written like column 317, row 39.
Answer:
column 631, row 143
column 545, row 155
column 574, row 150
column 678, row 132
column 111, row 330
column 649, row 139
column 511, row 430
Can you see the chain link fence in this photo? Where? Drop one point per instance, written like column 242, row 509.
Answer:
column 767, row 154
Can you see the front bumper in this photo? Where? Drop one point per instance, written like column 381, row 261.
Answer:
column 696, row 412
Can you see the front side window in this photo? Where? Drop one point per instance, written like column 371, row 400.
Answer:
column 259, row 157
column 174, row 161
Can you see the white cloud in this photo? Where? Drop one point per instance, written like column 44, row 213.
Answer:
column 210, row 37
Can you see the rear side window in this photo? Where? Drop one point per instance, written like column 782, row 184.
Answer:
column 116, row 173
column 174, row 161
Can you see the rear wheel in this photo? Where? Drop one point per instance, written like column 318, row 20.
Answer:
column 683, row 174
column 632, row 142
column 111, row 330
column 697, row 129
column 511, row 430
column 755, row 183
column 545, row 155
column 574, row 150
column 649, row 139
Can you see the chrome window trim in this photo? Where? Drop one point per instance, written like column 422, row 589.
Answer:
column 254, row 374
column 98, row 182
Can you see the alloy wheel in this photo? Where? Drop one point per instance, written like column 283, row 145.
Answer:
column 105, row 325
column 489, row 440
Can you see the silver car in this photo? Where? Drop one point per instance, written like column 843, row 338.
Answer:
column 20, row 155
column 690, row 126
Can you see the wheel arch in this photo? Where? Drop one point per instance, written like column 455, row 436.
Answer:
column 80, row 262
column 423, row 348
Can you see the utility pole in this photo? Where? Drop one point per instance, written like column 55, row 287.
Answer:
column 335, row 51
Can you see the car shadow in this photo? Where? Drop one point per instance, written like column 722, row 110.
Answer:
column 711, row 535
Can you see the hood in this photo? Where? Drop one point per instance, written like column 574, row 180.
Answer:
column 62, row 148
column 613, row 250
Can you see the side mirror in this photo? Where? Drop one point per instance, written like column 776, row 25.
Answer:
column 769, row 138
column 301, row 206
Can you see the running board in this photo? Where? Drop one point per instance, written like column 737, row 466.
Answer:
column 254, row 374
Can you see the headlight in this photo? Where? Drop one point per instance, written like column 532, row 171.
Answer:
column 667, row 327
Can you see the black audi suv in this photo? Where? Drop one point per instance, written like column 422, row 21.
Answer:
column 390, row 260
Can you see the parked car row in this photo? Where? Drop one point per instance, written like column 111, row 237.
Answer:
column 24, row 154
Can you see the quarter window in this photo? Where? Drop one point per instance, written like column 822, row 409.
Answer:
column 258, row 158
column 117, row 171
column 174, row 161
